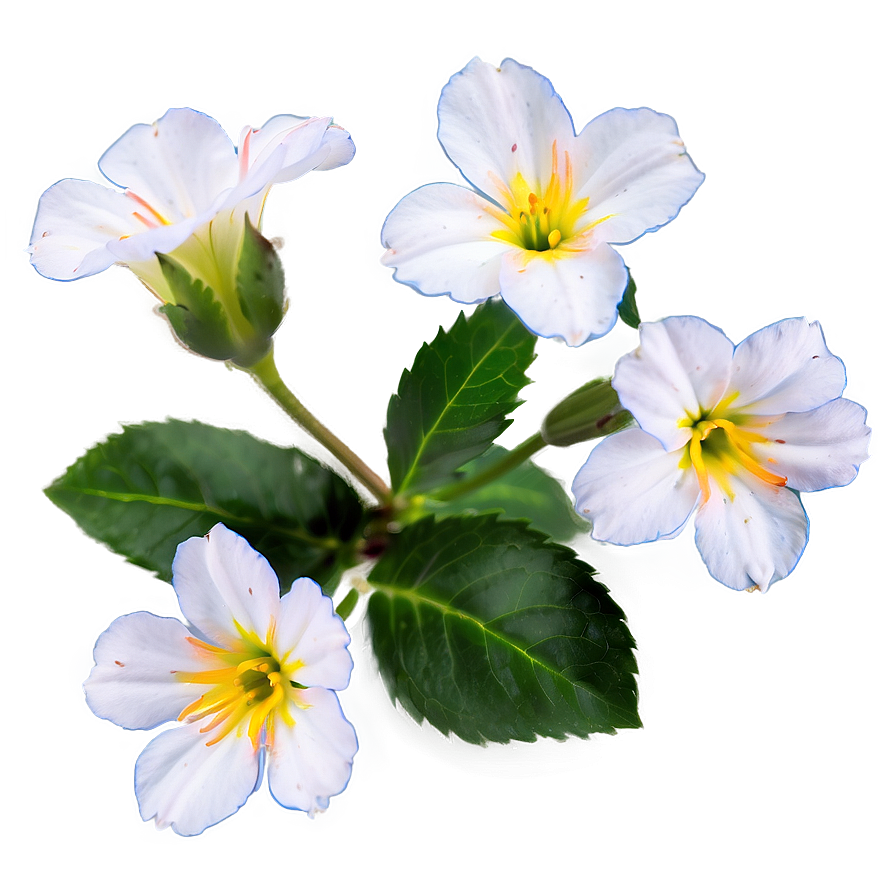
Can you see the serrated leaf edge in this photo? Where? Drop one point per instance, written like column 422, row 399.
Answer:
column 450, row 404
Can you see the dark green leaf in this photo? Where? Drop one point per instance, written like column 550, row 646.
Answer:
column 144, row 491
column 526, row 492
column 197, row 318
column 488, row 630
column 260, row 284
column 628, row 308
column 453, row 402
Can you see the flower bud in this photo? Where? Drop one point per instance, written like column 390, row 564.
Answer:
column 590, row 412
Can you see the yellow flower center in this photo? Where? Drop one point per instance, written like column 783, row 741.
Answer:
column 718, row 448
column 541, row 219
column 245, row 687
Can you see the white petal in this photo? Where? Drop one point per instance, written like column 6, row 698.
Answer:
column 341, row 146
column 680, row 369
column 633, row 490
column 754, row 539
column 311, row 760
column 184, row 783
column 133, row 683
column 310, row 631
column 439, row 240
column 495, row 122
column 280, row 151
column 816, row 449
column 75, row 223
column 180, row 165
column 222, row 581
column 786, row 367
column 631, row 164
column 143, row 245
column 301, row 137
column 571, row 291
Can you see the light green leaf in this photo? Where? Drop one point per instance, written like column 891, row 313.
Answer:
column 453, row 402
column 527, row 492
column 144, row 491
column 488, row 630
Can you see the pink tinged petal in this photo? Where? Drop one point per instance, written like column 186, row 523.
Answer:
column 183, row 783
column 279, row 151
column 816, row 449
column 755, row 537
column 76, row 225
column 309, row 631
column 786, row 367
column 571, row 292
column 180, row 165
column 310, row 760
column 222, row 582
column 439, row 240
column 680, row 370
column 495, row 122
column 134, row 682
column 633, row 490
column 632, row 166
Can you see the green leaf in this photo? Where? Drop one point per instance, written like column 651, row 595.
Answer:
column 198, row 318
column 453, row 402
column 144, row 491
column 526, row 492
column 260, row 283
column 488, row 630
column 628, row 308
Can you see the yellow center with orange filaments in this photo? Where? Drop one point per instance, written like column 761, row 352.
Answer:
column 719, row 448
column 540, row 219
column 245, row 688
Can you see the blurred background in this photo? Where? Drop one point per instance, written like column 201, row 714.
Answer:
column 765, row 762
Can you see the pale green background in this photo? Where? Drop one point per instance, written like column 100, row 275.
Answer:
column 765, row 764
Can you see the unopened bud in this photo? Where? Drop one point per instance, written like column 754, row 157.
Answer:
column 590, row 412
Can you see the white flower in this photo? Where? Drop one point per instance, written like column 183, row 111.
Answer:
column 546, row 203
column 186, row 188
column 254, row 674
column 733, row 432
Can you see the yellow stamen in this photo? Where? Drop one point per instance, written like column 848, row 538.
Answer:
column 245, row 686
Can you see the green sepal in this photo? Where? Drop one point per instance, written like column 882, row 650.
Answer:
column 453, row 402
column 347, row 604
column 147, row 489
column 197, row 317
column 628, row 307
column 591, row 411
column 260, row 284
column 486, row 629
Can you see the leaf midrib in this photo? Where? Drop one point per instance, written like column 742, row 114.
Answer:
column 331, row 544
column 449, row 405
column 417, row 598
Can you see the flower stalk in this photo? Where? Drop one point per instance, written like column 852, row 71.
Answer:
column 266, row 374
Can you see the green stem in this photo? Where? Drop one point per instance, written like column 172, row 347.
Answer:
column 267, row 376
column 510, row 460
